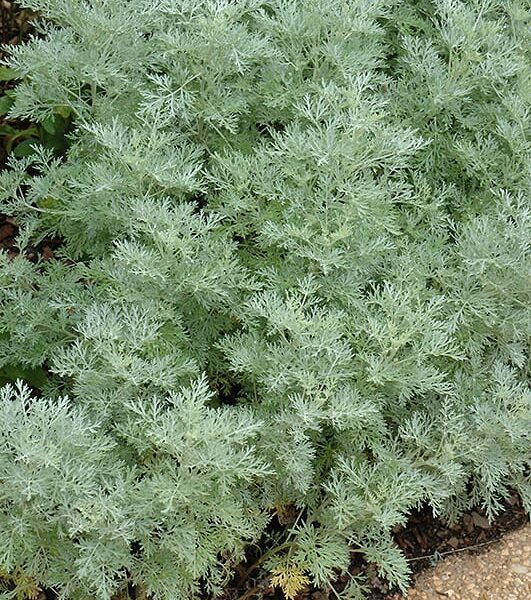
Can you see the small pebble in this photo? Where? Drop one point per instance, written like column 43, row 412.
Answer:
column 493, row 574
column 519, row 568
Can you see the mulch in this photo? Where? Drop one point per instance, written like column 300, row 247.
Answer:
column 15, row 23
column 424, row 540
column 44, row 250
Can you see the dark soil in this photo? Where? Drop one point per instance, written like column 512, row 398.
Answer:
column 15, row 23
column 8, row 241
column 424, row 540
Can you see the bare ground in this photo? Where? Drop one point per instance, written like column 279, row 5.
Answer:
column 501, row 572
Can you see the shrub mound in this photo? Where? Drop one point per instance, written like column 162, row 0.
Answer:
column 293, row 280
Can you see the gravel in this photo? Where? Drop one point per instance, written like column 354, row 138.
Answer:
column 501, row 572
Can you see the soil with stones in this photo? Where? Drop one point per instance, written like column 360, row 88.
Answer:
column 501, row 572
column 463, row 554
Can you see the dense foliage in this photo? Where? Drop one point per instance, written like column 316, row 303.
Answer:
column 294, row 276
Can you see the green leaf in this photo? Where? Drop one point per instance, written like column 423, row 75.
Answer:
column 30, row 132
column 34, row 376
column 26, row 148
column 47, row 203
column 7, row 74
column 6, row 129
column 6, row 102
column 50, row 125
column 63, row 111
column 52, row 133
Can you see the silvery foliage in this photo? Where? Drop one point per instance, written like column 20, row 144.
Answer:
column 294, row 273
